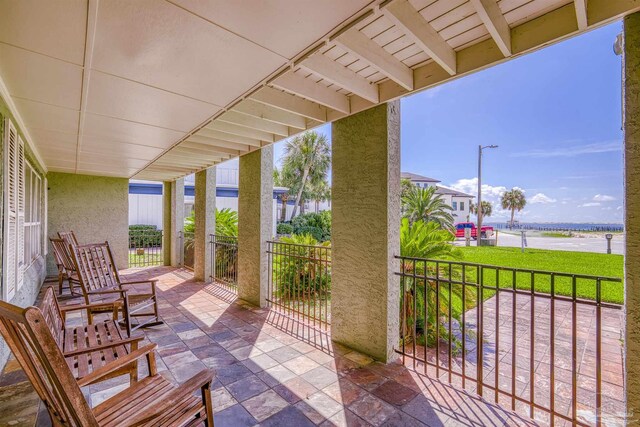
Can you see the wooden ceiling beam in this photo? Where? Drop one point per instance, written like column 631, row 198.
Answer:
column 493, row 19
column 366, row 49
column 341, row 76
column 404, row 16
column 253, row 123
column 581, row 14
column 309, row 89
column 241, row 131
column 256, row 109
column 291, row 103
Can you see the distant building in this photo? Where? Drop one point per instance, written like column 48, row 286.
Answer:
column 458, row 200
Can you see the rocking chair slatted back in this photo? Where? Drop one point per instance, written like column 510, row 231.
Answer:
column 53, row 316
column 62, row 255
column 69, row 238
column 27, row 334
column 95, row 265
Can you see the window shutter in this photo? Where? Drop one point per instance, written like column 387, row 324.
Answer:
column 44, row 218
column 10, row 151
column 20, row 195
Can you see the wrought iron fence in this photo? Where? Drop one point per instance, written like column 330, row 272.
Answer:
column 224, row 261
column 300, row 282
column 535, row 341
column 145, row 247
column 187, row 243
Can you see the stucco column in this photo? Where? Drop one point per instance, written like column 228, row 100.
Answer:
column 631, row 125
column 255, row 224
column 365, row 207
column 166, row 222
column 205, row 222
column 177, row 220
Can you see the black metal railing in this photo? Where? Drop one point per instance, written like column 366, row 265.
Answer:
column 535, row 341
column 187, row 251
column 224, row 261
column 300, row 282
column 145, row 248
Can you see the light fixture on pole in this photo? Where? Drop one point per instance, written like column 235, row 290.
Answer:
column 479, row 204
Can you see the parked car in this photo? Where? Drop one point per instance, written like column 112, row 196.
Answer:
column 487, row 231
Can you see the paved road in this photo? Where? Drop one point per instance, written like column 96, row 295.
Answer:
column 580, row 244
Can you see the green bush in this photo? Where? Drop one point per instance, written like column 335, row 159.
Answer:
column 284, row 228
column 310, row 222
column 142, row 236
column 303, row 270
column 314, row 232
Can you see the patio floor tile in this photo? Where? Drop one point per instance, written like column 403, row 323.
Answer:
column 266, row 374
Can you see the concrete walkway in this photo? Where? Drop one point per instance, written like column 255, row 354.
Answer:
column 579, row 244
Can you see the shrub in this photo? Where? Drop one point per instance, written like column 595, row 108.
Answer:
column 284, row 228
column 142, row 236
column 303, row 270
column 320, row 221
column 314, row 232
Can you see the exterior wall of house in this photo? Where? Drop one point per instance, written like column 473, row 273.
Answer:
column 461, row 213
column 34, row 273
column 94, row 207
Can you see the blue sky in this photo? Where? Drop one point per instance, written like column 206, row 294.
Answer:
column 556, row 115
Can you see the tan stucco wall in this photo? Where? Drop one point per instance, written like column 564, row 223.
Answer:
column 365, row 238
column 96, row 208
column 631, row 117
column 255, row 224
column 205, row 222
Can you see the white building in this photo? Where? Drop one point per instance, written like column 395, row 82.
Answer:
column 145, row 197
column 459, row 201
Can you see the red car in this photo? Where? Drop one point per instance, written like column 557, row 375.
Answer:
column 487, row 231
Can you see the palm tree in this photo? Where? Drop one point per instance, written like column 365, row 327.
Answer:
column 513, row 200
column 285, row 177
column 308, row 156
column 423, row 204
column 487, row 208
column 319, row 191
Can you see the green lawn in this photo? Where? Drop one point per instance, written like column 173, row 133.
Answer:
column 580, row 263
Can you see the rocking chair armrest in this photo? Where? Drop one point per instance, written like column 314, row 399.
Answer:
column 170, row 400
column 104, row 346
column 109, row 291
column 75, row 307
column 137, row 282
column 117, row 364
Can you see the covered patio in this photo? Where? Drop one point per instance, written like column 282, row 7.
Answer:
column 270, row 371
column 94, row 93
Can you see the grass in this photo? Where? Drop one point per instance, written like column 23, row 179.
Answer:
column 145, row 260
column 579, row 263
column 554, row 234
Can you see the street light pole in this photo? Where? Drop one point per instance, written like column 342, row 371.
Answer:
column 479, row 205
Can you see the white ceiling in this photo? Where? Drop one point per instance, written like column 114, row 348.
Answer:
column 159, row 89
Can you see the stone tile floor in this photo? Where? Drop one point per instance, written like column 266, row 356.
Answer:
column 270, row 371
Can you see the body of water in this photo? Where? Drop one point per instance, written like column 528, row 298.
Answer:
column 560, row 226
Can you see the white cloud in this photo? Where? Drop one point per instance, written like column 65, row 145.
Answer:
column 589, row 205
column 619, row 208
column 542, row 198
column 490, row 194
column 603, row 198
column 572, row 151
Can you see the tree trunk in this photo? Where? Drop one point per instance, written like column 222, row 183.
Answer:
column 283, row 210
column 302, row 207
column 305, row 175
column 513, row 211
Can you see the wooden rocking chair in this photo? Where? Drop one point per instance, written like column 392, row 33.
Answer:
column 88, row 348
column 66, row 267
column 69, row 238
column 153, row 401
column 98, row 275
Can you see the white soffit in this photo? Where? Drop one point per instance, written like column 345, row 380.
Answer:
column 158, row 89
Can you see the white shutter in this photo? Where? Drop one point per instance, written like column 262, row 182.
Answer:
column 20, row 195
column 44, row 218
column 10, row 149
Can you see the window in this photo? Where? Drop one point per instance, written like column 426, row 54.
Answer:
column 461, row 206
column 454, row 205
column 13, row 252
column 32, row 214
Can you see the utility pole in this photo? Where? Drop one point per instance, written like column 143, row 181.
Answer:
column 479, row 205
